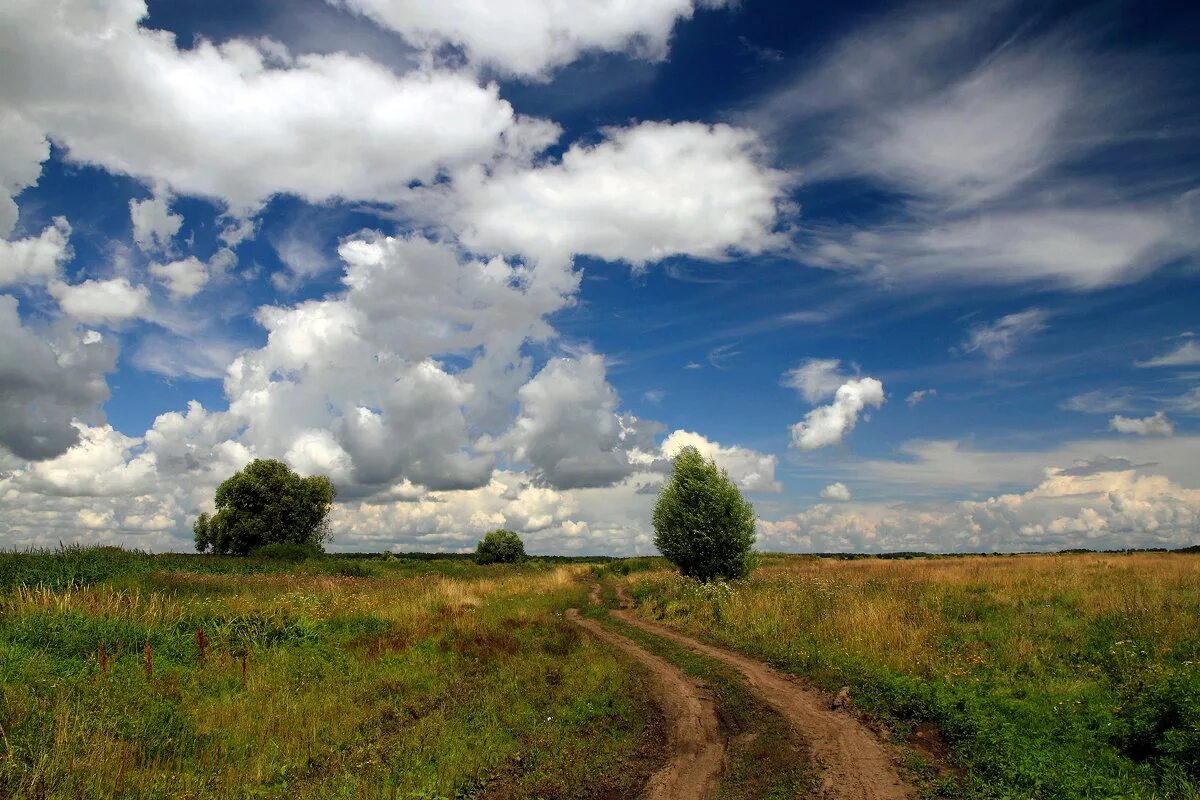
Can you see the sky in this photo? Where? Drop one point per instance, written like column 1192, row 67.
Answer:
column 918, row 276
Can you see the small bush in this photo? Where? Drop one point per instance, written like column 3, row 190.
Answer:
column 289, row 552
column 500, row 547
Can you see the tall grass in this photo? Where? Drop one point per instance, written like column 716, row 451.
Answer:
column 1051, row 676
column 425, row 680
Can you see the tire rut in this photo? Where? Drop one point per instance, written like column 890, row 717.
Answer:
column 854, row 763
column 695, row 743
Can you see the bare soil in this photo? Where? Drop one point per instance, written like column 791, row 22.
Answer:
column 695, row 746
column 854, row 763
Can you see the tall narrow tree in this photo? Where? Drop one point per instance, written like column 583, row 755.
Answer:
column 702, row 524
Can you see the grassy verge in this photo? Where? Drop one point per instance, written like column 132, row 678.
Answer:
column 412, row 683
column 1049, row 676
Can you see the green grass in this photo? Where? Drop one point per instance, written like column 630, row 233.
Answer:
column 420, row 679
column 1058, row 677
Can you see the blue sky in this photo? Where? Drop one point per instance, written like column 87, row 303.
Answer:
column 918, row 276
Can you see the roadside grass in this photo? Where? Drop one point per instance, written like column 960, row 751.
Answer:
column 426, row 680
column 762, row 760
column 1065, row 676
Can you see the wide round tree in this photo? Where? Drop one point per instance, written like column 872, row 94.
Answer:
column 267, row 503
column 500, row 547
column 702, row 524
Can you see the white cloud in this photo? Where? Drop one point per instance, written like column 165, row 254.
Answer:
column 836, row 491
column 1156, row 425
column 642, row 194
column 1099, row 401
column 181, row 356
column 751, row 470
column 567, row 428
column 154, row 226
column 36, row 259
column 828, row 425
column 101, row 464
column 1188, row 402
column 243, row 120
column 1084, row 247
column 48, row 378
column 977, row 124
column 363, row 364
column 1185, row 354
column 530, row 37
column 183, row 278
column 998, row 340
column 25, row 148
column 112, row 300
column 1101, row 510
column 919, row 395
column 816, row 379
column 927, row 468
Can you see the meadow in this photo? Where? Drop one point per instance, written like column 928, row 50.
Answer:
column 1056, row 676
column 153, row 676
column 129, row 675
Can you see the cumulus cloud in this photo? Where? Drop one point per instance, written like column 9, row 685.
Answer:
column 1155, row 425
column 242, row 120
column 112, row 300
column 642, row 194
column 184, row 278
column 48, row 378
column 751, row 470
column 1185, row 354
column 530, row 37
column 828, row 425
column 364, row 364
column 926, row 468
column 36, row 259
column 836, row 491
column 997, row 340
column 1102, row 510
column 567, row 428
column 25, row 148
column 154, row 226
column 917, row 396
column 816, row 379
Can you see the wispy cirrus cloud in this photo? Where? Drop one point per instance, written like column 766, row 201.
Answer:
column 998, row 340
column 1185, row 354
column 977, row 123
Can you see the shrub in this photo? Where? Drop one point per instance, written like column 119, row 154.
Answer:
column 702, row 524
column 290, row 552
column 500, row 547
column 266, row 503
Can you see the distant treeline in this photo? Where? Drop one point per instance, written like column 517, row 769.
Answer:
column 910, row 554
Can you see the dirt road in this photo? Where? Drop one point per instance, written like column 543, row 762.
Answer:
column 854, row 763
column 695, row 745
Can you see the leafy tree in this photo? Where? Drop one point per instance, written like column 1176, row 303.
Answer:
column 702, row 524
column 267, row 503
column 500, row 547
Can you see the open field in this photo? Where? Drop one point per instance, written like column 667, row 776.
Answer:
column 416, row 679
column 1016, row 677
column 1047, row 676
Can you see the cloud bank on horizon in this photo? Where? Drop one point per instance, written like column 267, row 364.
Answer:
column 499, row 269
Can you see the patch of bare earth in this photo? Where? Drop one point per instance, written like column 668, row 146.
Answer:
column 695, row 745
column 853, row 762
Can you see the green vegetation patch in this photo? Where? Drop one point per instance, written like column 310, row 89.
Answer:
column 1048, row 676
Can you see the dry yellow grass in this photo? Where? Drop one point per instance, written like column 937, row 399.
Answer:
column 1075, row 671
